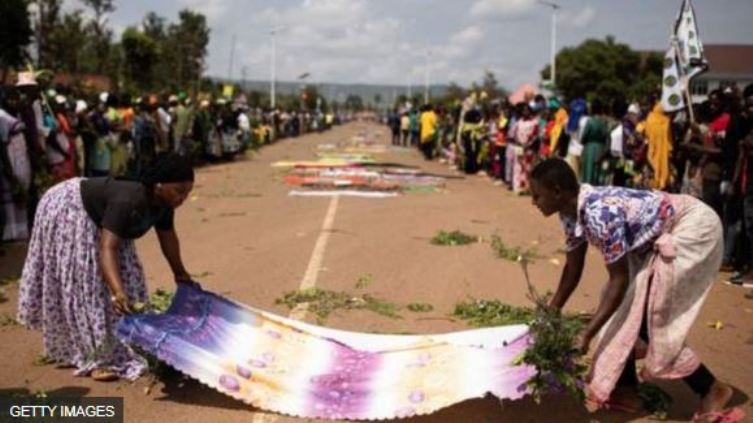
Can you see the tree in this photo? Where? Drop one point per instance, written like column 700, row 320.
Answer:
column 188, row 39
column 140, row 54
column 15, row 35
column 354, row 102
column 454, row 92
column 101, row 34
column 154, row 26
column 602, row 69
column 400, row 101
column 490, row 85
column 49, row 20
column 64, row 43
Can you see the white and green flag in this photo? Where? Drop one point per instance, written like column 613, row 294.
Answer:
column 672, row 89
column 683, row 61
column 689, row 45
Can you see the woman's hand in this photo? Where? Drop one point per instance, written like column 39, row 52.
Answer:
column 183, row 278
column 120, row 303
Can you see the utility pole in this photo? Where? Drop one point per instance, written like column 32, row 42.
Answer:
column 232, row 58
column 553, row 66
column 426, row 78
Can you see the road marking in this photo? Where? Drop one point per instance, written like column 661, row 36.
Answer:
column 317, row 256
column 308, row 281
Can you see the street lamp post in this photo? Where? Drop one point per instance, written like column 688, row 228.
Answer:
column 273, row 76
column 553, row 66
column 426, row 78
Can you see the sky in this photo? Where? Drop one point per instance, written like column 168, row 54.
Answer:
column 405, row 41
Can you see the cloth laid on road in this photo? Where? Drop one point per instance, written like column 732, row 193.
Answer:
column 342, row 193
column 294, row 368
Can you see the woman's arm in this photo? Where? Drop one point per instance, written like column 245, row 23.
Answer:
column 168, row 241
column 570, row 276
column 109, row 262
column 619, row 276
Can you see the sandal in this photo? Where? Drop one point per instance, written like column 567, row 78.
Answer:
column 104, row 375
column 731, row 415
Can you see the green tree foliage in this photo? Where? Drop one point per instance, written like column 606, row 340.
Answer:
column 101, row 36
column 15, row 35
column 140, row 55
column 605, row 69
column 189, row 38
column 49, row 19
column 64, row 44
column 354, row 102
column 159, row 54
column 490, row 85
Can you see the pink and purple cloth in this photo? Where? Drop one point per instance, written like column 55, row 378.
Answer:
column 294, row 368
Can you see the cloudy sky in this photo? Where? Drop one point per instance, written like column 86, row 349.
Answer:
column 391, row 41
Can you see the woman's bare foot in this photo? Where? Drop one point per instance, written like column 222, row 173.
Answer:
column 717, row 398
column 104, row 375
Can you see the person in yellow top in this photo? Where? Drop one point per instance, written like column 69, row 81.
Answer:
column 658, row 135
column 428, row 131
column 560, row 122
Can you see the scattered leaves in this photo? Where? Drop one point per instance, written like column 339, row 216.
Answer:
column 234, row 214
column 323, row 302
column 6, row 321
column 507, row 252
column 43, row 360
column 453, row 238
column 420, row 307
column 10, row 280
column 364, row 281
column 485, row 313
column 158, row 302
column 718, row 324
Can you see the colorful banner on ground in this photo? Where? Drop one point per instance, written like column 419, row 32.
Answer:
column 294, row 368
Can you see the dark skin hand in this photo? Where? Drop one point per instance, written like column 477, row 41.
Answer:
column 109, row 245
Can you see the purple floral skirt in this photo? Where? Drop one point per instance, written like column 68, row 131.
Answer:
column 63, row 293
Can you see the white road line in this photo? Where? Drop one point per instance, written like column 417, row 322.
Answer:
column 308, row 281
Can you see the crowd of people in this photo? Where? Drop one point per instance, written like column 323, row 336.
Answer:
column 615, row 142
column 49, row 134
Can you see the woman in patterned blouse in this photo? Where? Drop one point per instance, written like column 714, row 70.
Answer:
column 662, row 252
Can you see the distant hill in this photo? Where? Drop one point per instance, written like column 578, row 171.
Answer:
column 339, row 92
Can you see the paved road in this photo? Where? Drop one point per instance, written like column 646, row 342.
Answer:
column 248, row 240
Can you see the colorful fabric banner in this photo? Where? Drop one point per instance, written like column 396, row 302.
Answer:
column 290, row 367
column 342, row 193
